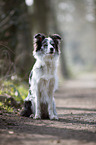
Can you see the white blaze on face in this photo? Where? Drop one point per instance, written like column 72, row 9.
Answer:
column 50, row 45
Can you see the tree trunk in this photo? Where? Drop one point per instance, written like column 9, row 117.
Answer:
column 41, row 10
column 24, row 60
column 15, row 38
column 55, row 28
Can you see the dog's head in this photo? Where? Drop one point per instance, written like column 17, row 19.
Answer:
column 46, row 46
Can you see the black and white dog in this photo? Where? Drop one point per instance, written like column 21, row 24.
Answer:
column 43, row 78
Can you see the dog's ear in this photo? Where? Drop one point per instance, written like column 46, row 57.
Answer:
column 38, row 38
column 56, row 38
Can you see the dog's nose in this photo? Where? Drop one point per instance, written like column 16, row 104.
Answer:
column 51, row 49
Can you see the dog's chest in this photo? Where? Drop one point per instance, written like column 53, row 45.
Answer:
column 48, row 69
column 45, row 75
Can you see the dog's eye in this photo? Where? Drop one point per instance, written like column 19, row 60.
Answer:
column 52, row 44
column 45, row 45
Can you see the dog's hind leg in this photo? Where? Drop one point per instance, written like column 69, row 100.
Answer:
column 27, row 111
column 28, row 102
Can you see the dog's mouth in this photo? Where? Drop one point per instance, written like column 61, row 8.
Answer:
column 50, row 53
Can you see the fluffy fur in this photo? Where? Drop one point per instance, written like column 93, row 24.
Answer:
column 43, row 78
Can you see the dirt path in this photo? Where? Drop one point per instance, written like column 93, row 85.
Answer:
column 76, row 107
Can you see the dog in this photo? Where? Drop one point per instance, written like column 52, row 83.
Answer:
column 43, row 80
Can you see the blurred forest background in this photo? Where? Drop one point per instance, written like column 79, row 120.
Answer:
column 20, row 20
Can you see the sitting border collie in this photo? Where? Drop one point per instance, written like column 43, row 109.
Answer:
column 43, row 80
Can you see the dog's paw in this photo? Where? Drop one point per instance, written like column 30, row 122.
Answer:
column 54, row 117
column 37, row 117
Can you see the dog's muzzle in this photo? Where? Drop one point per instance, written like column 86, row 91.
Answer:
column 52, row 50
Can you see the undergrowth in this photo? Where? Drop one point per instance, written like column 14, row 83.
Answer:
column 12, row 88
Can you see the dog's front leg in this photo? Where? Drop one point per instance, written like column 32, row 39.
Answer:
column 50, row 108
column 37, row 108
column 37, row 103
column 52, row 116
column 51, row 104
